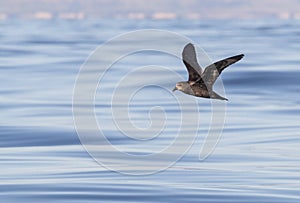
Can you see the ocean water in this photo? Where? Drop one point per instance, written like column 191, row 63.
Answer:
column 256, row 158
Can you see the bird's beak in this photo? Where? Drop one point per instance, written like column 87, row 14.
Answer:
column 175, row 88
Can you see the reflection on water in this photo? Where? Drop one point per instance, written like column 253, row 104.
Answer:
column 256, row 160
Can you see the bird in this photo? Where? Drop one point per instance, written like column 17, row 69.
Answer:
column 200, row 83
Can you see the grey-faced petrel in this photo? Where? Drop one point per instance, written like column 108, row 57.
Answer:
column 200, row 84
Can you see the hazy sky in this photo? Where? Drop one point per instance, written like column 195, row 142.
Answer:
column 152, row 8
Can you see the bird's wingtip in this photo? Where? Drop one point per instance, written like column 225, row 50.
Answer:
column 189, row 44
column 239, row 57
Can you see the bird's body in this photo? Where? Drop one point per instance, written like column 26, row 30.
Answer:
column 197, row 90
column 200, row 84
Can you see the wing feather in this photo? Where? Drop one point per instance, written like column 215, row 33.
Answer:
column 212, row 72
column 190, row 61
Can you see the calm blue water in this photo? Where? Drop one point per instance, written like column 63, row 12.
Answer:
column 257, row 158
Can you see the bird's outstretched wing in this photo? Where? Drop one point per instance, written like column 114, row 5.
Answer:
column 212, row 72
column 190, row 61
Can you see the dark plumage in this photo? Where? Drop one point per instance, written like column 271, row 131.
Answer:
column 200, row 84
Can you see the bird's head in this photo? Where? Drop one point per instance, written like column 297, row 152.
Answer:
column 180, row 86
